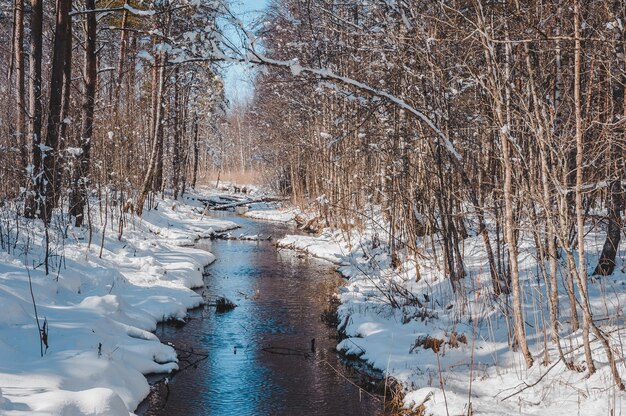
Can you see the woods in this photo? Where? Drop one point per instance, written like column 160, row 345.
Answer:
column 93, row 76
column 502, row 119
column 430, row 127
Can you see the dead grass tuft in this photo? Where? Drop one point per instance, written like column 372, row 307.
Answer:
column 427, row 342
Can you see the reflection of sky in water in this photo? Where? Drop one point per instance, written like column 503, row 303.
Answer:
column 234, row 384
column 280, row 298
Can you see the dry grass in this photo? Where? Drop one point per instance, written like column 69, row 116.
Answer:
column 394, row 401
column 435, row 344
column 251, row 177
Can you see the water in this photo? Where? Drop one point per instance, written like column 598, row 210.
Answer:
column 257, row 358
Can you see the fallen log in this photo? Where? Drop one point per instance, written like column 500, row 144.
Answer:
column 240, row 203
column 229, row 236
column 218, row 200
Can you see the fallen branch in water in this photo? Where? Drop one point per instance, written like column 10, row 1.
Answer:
column 286, row 351
column 191, row 357
column 221, row 207
column 229, row 236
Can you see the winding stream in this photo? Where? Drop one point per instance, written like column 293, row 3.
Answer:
column 257, row 358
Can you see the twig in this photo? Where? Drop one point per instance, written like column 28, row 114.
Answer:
column 443, row 390
column 533, row 384
column 32, row 295
column 361, row 389
column 285, row 351
column 106, row 219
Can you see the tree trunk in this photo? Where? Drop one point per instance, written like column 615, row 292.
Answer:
column 67, row 89
column 65, row 111
column 48, row 183
column 196, row 152
column 509, row 237
column 580, row 211
column 157, row 181
column 157, row 108
column 176, row 146
column 606, row 264
column 499, row 285
column 81, row 178
column 542, row 127
column 501, row 105
column 20, row 93
column 35, row 105
column 122, row 55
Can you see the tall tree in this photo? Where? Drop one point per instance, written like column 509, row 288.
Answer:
column 48, row 182
column 81, row 175
column 20, row 86
column 35, row 103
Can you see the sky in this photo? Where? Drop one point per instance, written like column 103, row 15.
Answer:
column 238, row 77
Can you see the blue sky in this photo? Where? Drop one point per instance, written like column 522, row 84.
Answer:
column 237, row 77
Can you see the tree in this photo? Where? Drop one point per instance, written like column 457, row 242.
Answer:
column 20, row 86
column 81, row 174
column 35, row 105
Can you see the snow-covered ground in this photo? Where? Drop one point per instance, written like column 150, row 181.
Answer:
column 395, row 323
column 99, row 310
column 330, row 245
column 261, row 212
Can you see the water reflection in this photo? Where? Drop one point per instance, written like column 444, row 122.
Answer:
column 258, row 356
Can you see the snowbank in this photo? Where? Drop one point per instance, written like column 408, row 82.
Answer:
column 99, row 311
column 330, row 245
column 278, row 215
column 448, row 351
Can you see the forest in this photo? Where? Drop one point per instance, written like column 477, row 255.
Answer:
column 498, row 119
column 419, row 128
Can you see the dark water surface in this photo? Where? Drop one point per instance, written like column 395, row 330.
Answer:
column 258, row 356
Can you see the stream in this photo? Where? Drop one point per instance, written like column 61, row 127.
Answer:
column 257, row 359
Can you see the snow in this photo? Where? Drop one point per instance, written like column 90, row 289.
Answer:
column 138, row 12
column 74, row 151
column 328, row 246
column 325, row 136
column 100, row 311
column 97, row 401
column 277, row 215
column 296, row 69
column 325, row 73
column 388, row 330
column 146, row 55
column 163, row 47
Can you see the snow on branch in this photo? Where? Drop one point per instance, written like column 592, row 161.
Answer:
column 295, row 67
column 138, row 12
column 126, row 7
column 254, row 57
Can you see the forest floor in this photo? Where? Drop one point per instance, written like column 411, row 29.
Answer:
column 451, row 352
column 98, row 306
